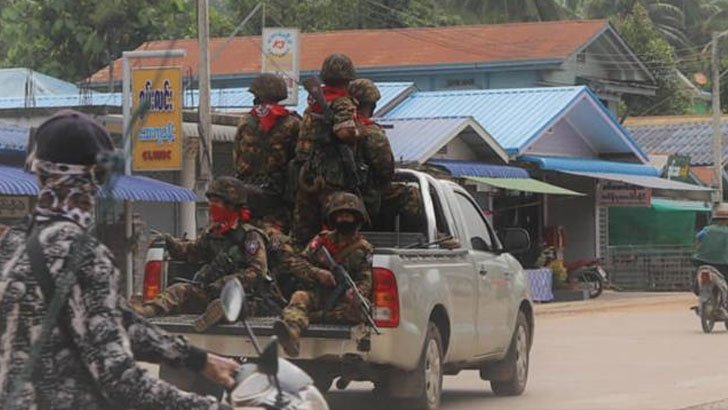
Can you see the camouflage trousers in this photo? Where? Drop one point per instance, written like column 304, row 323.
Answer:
column 181, row 298
column 306, row 306
column 308, row 218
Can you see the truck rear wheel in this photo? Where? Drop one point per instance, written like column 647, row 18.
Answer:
column 514, row 368
column 430, row 372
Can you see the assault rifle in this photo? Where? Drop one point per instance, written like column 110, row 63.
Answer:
column 313, row 87
column 343, row 283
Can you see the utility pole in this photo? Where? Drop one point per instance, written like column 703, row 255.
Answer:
column 717, row 131
column 203, row 31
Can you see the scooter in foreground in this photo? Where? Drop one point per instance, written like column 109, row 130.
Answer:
column 268, row 382
column 713, row 298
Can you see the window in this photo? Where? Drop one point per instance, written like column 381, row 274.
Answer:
column 478, row 231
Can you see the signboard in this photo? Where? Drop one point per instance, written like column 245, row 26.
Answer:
column 14, row 206
column 157, row 136
column 617, row 194
column 281, row 51
column 678, row 168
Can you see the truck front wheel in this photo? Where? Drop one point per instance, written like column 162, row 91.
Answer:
column 509, row 377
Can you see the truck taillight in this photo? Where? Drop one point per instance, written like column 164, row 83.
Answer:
column 152, row 280
column 385, row 298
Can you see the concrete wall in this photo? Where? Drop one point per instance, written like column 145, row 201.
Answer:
column 562, row 140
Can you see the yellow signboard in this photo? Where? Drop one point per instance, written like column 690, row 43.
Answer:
column 157, row 136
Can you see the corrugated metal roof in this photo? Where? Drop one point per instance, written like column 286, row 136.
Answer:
column 480, row 169
column 591, row 165
column 693, row 138
column 517, row 117
column 418, row 139
column 14, row 81
column 15, row 181
column 644, row 181
column 13, row 137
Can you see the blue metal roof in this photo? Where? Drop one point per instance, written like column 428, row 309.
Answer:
column 228, row 99
column 480, row 169
column 15, row 181
column 518, row 117
column 13, row 138
column 14, row 82
column 591, row 165
column 689, row 137
column 418, row 139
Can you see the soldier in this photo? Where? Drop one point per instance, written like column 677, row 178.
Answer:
column 323, row 151
column 373, row 150
column 265, row 143
column 230, row 247
column 346, row 214
column 84, row 355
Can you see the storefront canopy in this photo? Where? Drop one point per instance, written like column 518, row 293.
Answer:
column 664, row 204
column 644, row 181
column 15, row 181
column 525, row 185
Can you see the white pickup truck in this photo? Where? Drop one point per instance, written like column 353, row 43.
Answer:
column 439, row 310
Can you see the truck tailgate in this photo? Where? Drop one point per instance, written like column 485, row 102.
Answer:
column 262, row 326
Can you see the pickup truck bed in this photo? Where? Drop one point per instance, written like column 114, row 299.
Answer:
column 262, row 326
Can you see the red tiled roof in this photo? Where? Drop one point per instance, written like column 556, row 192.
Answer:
column 396, row 47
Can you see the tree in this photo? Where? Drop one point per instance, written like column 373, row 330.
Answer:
column 642, row 35
column 503, row 11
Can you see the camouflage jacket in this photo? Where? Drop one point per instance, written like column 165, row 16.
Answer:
column 316, row 149
column 92, row 366
column 262, row 158
column 240, row 252
column 375, row 151
column 354, row 255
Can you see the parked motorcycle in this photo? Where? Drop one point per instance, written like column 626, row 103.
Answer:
column 589, row 273
column 268, row 382
column 713, row 298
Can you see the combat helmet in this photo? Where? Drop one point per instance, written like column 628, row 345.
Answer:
column 364, row 91
column 344, row 201
column 337, row 68
column 231, row 190
column 269, row 88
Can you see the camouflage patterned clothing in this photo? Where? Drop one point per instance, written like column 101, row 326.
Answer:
column 401, row 199
column 355, row 255
column 320, row 168
column 94, row 367
column 264, row 145
column 374, row 151
column 240, row 253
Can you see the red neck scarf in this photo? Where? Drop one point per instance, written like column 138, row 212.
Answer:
column 330, row 94
column 363, row 119
column 225, row 220
column 268, row 115
column 328, row 241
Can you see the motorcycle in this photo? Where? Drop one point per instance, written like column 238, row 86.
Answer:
column 712, row 297
column 268, row 382
column 589, row 273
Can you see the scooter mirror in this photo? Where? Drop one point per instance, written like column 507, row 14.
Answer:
column 268, row 362
column 233, row 300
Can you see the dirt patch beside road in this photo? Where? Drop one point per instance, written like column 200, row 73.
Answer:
column 611, row 302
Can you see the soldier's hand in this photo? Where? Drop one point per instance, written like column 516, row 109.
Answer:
column 349, row 295
column 220, row 370
column 326, row 278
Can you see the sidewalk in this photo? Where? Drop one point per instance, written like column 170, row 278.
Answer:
column 611, row 301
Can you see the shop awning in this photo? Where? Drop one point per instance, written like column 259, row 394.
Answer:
column 644, row 181
column 525, row 185
column 663, row 204
column 480, row 169
column 15, row 181
column 563, row 164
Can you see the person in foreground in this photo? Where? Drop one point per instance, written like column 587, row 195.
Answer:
column 89, row 360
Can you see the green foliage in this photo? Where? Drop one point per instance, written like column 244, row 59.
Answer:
column 644, row 38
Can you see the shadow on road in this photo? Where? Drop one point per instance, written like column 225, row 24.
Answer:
column 366, row 400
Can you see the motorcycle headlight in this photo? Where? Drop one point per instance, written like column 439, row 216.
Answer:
column 313, row 399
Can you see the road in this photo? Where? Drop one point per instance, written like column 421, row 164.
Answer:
column 622, row 352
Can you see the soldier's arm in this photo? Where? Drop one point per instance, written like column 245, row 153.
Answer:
column 379, row 156
column 300, row 265
column 240, row 166
column 193, row 251
column 97, row 329
column 344, row 114
column 362, row 269
column 254, row 263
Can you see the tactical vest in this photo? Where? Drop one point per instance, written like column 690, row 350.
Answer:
column 273, row 181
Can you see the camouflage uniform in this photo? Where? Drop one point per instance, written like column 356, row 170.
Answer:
column 239, row 252
column 319, row 165
column 265, row 143
column 354, row 253
column 374, row 150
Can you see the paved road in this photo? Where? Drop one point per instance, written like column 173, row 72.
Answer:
column 617, row 353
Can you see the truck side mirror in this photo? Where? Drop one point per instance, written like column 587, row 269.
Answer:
column 479, row 244
column 516, row 240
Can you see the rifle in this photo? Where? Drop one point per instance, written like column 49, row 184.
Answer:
column 312, row 86
column 343, row 283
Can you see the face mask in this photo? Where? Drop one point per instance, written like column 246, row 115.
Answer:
column 346, row 227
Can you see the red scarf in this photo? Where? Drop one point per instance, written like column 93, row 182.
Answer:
column 330, row 94
column 326, row 240
column 225, row 220
column 268, row 115
column 363, row 119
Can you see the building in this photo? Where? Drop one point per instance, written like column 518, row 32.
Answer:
column 516, row 55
